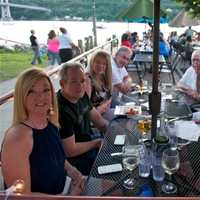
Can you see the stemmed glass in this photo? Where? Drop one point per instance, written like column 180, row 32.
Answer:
column 175, row 142
column 171, row 132
column 130, row 162
column 170, row 163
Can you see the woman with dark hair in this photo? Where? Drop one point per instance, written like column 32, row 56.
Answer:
column 53, row 48
column 125, row 40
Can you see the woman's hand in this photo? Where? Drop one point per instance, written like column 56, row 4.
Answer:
column 78, row 181
column 104, row 106
column 74, row 174
column 77, row 189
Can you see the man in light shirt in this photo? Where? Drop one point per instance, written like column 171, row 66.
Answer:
column 189, row 84
column 120, row 77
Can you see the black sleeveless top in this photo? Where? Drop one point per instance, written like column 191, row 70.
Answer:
column 47, row 161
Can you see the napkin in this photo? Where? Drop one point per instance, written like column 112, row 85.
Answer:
column 196, row 116
column 187, row 130
column 168, row 96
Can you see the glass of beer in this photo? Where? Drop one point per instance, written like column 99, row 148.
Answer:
column 144, row 126
column 147, row 125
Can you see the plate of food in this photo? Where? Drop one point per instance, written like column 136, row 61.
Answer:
column 129, row 110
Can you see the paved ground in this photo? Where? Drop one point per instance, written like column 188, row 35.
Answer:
column 7, row 86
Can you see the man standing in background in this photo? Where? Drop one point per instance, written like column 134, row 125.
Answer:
column 35, row 48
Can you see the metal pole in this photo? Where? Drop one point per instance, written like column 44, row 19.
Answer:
column 155, row 95
column 94, row 23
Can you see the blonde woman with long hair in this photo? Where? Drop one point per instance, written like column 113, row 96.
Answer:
column 100, row 72
column 31, row 149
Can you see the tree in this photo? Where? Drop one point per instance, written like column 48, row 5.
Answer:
column 192, row 5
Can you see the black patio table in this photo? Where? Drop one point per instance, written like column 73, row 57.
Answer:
column 187, row 179
column 142, row 59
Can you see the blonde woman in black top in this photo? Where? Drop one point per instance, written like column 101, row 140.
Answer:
column 100, row 73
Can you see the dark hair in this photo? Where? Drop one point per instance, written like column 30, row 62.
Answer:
column 52, row 34
column 125, row 37
column 65, row 68
column 63, row 30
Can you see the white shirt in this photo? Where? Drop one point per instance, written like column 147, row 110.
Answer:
column 118, row 73
column 189, row 78
column 64, row 41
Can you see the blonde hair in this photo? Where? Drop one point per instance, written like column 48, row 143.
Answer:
column 107, row 77
column 23, row 85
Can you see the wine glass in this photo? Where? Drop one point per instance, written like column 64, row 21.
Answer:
column 170, row 163
column 171, row 132
column 175, row 142
column 130, row 162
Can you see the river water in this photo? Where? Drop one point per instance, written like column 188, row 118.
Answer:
column 19, row 31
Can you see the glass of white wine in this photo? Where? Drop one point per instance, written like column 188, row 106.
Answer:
column 130, row 162
column 171, row 164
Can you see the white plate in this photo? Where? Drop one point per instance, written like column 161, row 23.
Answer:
column 136, row 92
column 124, row 110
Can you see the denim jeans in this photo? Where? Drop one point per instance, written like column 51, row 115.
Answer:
column 53, row 58
column 36, row 55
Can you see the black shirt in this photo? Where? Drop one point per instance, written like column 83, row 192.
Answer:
column 33, row 41
column 74, row 118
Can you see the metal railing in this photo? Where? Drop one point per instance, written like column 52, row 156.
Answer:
column 83, row 59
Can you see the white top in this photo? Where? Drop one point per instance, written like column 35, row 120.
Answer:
column 118, row 73
column 189, row 78
column 65, row 41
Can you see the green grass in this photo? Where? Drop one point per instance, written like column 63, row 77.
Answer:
column 12, row 63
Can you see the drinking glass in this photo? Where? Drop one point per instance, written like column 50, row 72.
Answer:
column 157, row 169
column 175, row 142
column 144, row 126
column 130, row 162
column 171, row 132
column 144, row 161
column 170, row 163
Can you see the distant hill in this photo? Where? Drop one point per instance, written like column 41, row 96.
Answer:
column 80, row 9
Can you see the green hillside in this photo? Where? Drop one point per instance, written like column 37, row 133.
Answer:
column 67, row 9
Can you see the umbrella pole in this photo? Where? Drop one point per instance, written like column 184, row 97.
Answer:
column 155, row 95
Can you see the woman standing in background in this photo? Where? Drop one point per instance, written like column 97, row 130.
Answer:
column 53, row 48
column 66, row 45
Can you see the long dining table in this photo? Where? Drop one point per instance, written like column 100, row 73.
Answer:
column 187, row 178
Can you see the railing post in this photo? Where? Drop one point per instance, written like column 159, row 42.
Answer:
column 87, row 43
column 91, row 44
column 80, row 45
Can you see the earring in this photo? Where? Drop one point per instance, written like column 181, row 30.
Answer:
column 51, row 111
